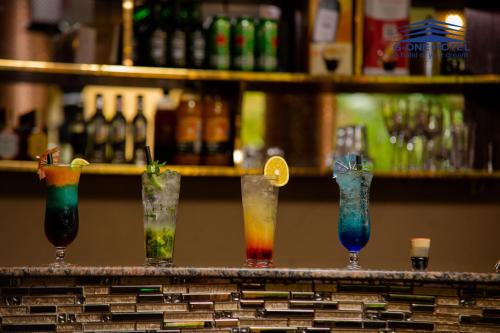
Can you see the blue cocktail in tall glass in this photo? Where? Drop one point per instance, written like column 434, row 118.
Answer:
column 354, row 216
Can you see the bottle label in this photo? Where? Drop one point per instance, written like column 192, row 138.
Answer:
column 119, row 154
column 326, row 25
column 220, row 56
column 216, row 135
column 158, row 47
column 100, row 132
column 140, row 132
column 198, row 48
column 179, row 48
column 189, row 135
column 216, row 129
column 99, row 155
column 9, row 145
column 118, row 133
column 140, row 158
column 77, row 128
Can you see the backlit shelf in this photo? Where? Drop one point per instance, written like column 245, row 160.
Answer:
column 138, row 72
column 228, row 171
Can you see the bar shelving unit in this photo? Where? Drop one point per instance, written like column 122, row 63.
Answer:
column 76, row 74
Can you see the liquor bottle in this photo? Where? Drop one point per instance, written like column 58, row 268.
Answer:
column 327, row 21
column 77, row 133
column 26, row 123
column 188, row 132
column 196, row 44
column 177, row 43
column 37, row 140
column 159, row 37
column 9, row 140
column 216, row 130
column 143, row 15
column 97, row 131
column 165, row 127
column 117, row 133
column 70, row 104
column 139, row 130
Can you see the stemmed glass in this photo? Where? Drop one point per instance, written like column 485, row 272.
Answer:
column 433, row 132
column 61, row 209
column 394, row 121
column 354, row 179
column 415, row 120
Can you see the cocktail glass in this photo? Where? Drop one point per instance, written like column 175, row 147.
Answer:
column 160, row 198
column 260, row 205
column 61, row 209
column 354, row 216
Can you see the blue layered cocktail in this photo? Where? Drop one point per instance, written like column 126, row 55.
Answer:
column 354, row 216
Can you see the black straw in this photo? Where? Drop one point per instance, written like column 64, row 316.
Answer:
column 147, row 150
column 49, row 159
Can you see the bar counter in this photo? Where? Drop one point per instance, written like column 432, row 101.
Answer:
column 244, row 300
column 244, row 273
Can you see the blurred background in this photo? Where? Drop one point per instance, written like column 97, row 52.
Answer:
column 216, row 87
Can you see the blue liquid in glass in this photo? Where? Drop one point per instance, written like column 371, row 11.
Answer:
column 354, row 219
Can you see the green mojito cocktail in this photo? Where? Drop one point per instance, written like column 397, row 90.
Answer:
column 160, row 197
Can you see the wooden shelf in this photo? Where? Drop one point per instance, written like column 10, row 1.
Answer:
column 136, row 72
column 226, row 171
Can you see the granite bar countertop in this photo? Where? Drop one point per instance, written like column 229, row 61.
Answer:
column 241, row 272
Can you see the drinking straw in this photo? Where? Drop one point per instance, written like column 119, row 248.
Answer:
column 147, row 151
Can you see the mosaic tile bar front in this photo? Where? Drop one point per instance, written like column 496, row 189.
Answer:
column 245, row 305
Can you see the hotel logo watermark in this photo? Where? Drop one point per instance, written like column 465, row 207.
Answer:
column 424, row 38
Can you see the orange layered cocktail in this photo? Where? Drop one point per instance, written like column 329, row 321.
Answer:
column 260, row 204
column 61, row 207
column 259, row 194
column 61, row 210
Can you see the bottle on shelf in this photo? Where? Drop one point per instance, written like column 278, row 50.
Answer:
column 9, row 140
column 71, row 100
column 176, row 56
column 97, row 131
column 160, row 31
column 139, row 132
column 188, row 131
column 267, row 44
column 195, row 36
column 25, row 125
column 219, row 37
column 37, row 139
column 165, row 128
column 118, row 133
column 216, row 130
column 243, row 43
column 142, row 16
column 77, row 130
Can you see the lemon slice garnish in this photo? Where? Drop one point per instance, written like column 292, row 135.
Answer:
column 79, row 162
column 277, row 171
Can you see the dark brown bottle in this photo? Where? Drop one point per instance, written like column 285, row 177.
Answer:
column 188, row 130
column 165, row 127
column 216, row 130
